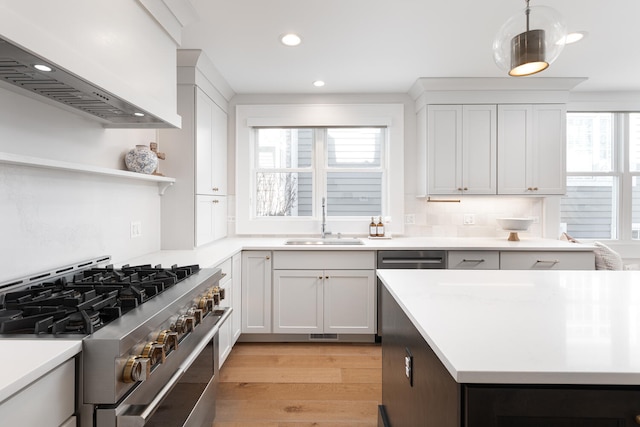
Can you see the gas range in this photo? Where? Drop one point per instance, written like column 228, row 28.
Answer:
column 144, row 329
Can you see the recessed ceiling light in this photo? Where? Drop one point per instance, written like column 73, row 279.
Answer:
column 318, row 83
column 290, row 39
column 139, row 114
column 42, row 67
column 574, row 37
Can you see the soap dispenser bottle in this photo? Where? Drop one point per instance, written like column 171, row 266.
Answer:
column 380, row 228
column 372, row 228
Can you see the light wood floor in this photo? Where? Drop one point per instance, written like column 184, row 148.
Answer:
column 300, row 385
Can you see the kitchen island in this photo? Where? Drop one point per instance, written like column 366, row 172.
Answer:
column 510, row 348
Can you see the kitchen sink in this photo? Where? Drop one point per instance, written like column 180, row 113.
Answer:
column 313, row 241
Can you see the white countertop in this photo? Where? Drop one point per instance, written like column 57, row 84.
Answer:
column 535, row 327
column 24, row 361
column 213, row 254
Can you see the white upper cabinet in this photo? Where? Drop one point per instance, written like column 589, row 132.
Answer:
column 461, row 149
column 117, row 46
column 211, row 146
column 531, row 149
column 195, row 213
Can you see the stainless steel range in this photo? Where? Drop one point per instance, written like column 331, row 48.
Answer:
column 149, row 337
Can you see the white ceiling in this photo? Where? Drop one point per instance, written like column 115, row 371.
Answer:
column 384, row 46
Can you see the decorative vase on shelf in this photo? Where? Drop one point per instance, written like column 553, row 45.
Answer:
column 141, row 159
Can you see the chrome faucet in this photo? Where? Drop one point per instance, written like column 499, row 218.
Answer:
column 324, row 231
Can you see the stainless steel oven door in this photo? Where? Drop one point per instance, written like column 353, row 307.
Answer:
column 187, row 399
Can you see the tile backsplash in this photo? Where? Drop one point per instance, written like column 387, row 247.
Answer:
column 471, row 216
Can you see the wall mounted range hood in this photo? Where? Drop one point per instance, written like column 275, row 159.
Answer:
column 77, row 94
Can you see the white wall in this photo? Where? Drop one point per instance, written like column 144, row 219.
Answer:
column 50, row 218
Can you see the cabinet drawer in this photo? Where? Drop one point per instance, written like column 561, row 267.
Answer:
column 473, row 260
column 320, row 260
column 544, row 260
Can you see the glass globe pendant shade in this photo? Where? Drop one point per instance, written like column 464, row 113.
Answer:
column 523, row 50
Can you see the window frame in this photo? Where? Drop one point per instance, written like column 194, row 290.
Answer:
column 622, row 176
column 389, row 116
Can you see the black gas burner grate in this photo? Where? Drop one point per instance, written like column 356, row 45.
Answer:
column 85, row 301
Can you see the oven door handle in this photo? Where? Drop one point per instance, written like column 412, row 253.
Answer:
column 138, row 415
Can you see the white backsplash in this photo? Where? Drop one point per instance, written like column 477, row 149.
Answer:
column 50, row 218
column 446, row 219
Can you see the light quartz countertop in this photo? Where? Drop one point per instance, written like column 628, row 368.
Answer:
column 25, row 360
column 214, row 253
column 526, row 327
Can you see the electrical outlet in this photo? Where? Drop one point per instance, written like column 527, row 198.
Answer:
column 469, row 219
column 136, row 229
column 410, row 219
column 408, row 366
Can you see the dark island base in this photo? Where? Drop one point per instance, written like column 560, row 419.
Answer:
column 417, row 390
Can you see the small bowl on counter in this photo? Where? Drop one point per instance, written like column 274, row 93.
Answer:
column 514, row 225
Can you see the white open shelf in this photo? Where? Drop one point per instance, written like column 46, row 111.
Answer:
column 17, row 159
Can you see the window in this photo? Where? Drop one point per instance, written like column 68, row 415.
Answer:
column 603, row 167
column 292, row 158
column 349, row 171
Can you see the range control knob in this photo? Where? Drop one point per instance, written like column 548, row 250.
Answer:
column 154, row 351
column 196, row 313
column 136, row 369
column 205, row 304
column 169, row 339
column 184, row 324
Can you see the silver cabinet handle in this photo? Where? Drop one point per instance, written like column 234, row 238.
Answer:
column 545, row 261
column 478, row 261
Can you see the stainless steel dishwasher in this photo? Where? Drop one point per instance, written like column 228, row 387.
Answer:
column 408, row 260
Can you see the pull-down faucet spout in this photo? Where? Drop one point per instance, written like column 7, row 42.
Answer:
column 324, row 232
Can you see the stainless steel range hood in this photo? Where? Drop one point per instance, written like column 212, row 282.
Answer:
column 77, row 94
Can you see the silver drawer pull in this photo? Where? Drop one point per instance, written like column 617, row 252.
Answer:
column 543, row 261
column 477, row 261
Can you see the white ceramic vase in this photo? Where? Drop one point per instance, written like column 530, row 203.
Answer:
column 141, row 159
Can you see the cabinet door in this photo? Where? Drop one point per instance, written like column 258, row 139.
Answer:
column 461, row 149
column 205, row 213
column 515, row 130
column 211, row 146
column 219, row 217
column 219, row 151
column 444, row 149
column 531, row 149
column 256, row 292
column 479, row 149
column 548, row 165
column 211, row 219
column 225, row 334
column 236, row 302
column 349, row 301
column 297, row 301
column 204, row 142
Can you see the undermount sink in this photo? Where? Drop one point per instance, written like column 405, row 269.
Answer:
column 312, row 241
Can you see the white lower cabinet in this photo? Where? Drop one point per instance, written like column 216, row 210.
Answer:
column 311, row 300
column 225, row 334
column 47, row 402
column 256, row 292
column 236, row 302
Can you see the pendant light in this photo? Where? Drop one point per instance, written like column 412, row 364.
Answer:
column 522, row 53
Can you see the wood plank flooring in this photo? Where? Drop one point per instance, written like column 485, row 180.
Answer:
column 300, row 385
